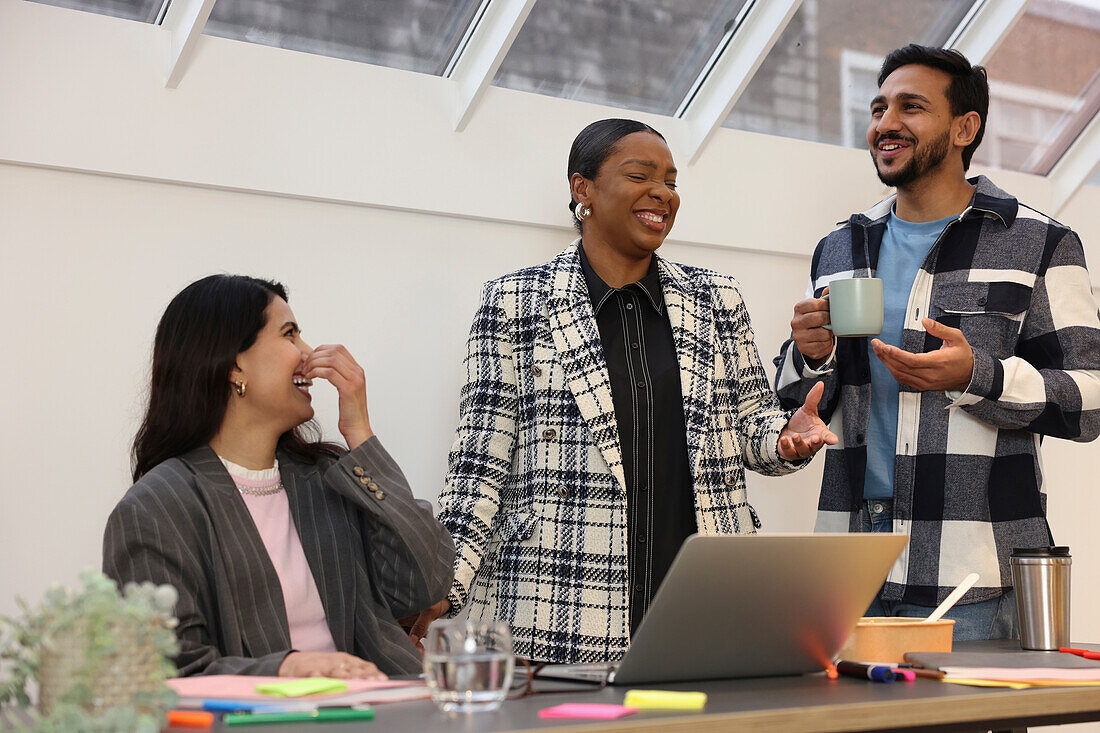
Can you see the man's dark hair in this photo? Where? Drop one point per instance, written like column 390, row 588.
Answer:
column 594, row 144
column 968, row 90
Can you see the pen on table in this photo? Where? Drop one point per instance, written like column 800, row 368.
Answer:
column 932, row 674
column 1087, row 654
column 875, row 672
column 253, row 706
column 317, row 716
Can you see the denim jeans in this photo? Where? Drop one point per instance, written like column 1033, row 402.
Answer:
column 992, row 619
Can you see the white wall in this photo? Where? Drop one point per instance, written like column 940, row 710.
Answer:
column 345, row 182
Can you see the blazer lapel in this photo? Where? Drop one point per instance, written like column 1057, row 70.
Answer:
column 580, row 352
column 691, row 314
column 325, row 535
column 258, row 596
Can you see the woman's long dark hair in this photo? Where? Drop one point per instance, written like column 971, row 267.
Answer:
column 194, row 352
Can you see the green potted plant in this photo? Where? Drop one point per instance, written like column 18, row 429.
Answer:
column 99, row 657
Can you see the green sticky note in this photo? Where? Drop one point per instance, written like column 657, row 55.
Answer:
column 298, row 688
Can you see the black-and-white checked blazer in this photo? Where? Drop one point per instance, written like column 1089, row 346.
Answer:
column 375, row 555
column 968, row 484
column 535, row 496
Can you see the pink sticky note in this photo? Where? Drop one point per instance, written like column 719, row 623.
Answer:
column 587, row 710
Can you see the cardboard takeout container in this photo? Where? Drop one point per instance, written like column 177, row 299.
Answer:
column 888, row 639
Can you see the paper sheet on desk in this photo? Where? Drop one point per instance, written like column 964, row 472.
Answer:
column 193, row 690
column 1022, row 674
column 1021, row 685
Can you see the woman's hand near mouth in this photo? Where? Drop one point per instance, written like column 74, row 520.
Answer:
column 334, row 363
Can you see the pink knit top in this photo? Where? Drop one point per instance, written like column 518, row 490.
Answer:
column 309, row 631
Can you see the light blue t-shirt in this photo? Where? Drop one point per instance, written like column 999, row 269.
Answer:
column 905, row 244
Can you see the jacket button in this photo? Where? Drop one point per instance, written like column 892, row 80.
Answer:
column 981, row 300
column 563, row 491
column 372, row 486
column 549, row 433
column 379, row 494
column 358, row 471
column 859, row 438
column 365, row 480
column 731, row 479
column 536, row 370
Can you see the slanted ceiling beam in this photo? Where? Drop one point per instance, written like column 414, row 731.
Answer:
column 483, row 53
column 184, row 22
column 730, row 74
column 1075, row 167
column 983, row 29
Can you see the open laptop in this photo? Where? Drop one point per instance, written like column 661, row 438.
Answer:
column 751, row 606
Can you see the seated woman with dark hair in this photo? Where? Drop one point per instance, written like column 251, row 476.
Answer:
column 291, row 557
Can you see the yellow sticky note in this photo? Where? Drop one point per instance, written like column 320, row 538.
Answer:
column 665, row 700
column 300, row 687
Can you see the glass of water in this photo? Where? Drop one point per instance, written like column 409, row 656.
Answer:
column 468, row 664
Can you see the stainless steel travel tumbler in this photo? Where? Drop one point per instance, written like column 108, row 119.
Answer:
column 1041, row 578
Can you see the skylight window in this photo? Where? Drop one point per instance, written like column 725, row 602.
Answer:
column 640, row 55
column 820, row 76
column 1044, row 85
column 145, row 11
column 416, row 35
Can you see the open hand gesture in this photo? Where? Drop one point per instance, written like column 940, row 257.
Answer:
column 949, row 367
column 805, row 433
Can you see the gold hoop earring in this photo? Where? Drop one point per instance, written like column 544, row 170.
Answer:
column 241, row 387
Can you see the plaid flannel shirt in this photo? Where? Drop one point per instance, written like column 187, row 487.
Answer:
column 968, row 484
column 536, row 497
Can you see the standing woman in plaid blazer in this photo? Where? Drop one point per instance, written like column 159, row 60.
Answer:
column 612, row 403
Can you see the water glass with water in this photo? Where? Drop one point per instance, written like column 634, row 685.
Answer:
column 468, row 664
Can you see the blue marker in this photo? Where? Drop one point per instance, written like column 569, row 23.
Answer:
column 866, row 671
column 253, row 706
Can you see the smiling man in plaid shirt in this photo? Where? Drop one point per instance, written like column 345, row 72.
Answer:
column 990, row 341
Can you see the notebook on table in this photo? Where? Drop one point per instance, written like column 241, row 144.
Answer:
column 1018, row 665
column 751, row 606
column 194, row 691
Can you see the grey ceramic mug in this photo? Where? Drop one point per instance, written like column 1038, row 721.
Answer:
column 855, row 306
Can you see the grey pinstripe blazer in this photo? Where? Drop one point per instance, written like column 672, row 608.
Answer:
column 376, row 556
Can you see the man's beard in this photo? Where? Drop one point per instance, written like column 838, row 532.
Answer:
column 922, row 160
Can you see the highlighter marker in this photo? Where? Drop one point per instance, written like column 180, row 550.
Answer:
column 315, row 717
column 189, row 719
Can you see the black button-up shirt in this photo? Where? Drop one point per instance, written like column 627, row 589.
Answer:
column 649, row 409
